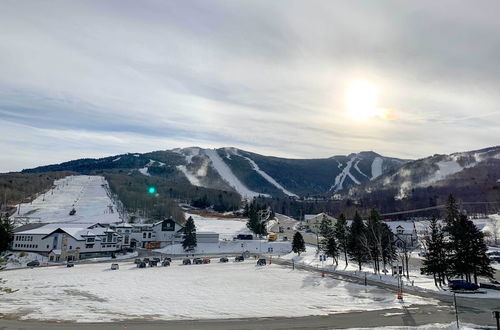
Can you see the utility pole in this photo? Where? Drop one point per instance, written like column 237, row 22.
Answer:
column 456, row 309
column 496, row 315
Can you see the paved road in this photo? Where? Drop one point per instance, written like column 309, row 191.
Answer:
column 389, row 317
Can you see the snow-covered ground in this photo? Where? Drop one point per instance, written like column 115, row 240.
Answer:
column 231, row 247
column 436, row 326
column 417, row 281
column 13, row 260
column 227, row 228
column 94, row 293
column 83, row 192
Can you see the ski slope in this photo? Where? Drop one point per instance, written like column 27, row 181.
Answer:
column 226, row 174
column 87, row 194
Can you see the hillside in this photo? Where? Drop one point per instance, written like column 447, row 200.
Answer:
column 247, row 173
column 472, row 176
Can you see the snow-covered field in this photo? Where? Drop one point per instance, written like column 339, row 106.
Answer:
column 83, row 192
column 20, row 259
column 94, row 293
column 417, row 281
column 227, row 228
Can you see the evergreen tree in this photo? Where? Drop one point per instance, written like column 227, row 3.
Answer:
column 435, row 261
column 330, row 249
column 388, row 247
column 255, row 223
column 6, row 233
column 357, row 244
column 326, row 231
column 341, row 232
column 189, row 243
column 374, row 239
column 298, row 244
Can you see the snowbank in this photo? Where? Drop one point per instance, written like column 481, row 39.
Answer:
column 232, row 247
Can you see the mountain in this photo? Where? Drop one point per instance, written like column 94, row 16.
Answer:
column 247, row 173
column 472, row 176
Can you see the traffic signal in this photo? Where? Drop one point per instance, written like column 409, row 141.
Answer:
column 152, row 190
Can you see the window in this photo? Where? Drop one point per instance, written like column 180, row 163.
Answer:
column 89, row 246
column 149, row 235
column 70, row 247
column 143, row 235
column 47, row 246
column 90, row 239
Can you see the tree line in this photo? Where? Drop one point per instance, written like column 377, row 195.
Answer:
column 455, row 248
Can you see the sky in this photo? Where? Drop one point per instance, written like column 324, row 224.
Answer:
column 98, row 78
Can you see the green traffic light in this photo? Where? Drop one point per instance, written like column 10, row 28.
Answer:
column 152, row 190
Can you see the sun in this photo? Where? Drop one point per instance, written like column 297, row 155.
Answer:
column 361, row 100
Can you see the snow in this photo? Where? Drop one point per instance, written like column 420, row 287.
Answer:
column 144, row 171
column 417, row 281
column 94, row 293
column 87, row 194
column 434, row 326
column 190, row 176
column 227, row 228
column 226, row 174
column 269, row 178
column 377, row 167
column 357, row 169
column 20, row 259
column 116, row 159
column 339, row 180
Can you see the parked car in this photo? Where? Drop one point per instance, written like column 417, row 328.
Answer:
column 223, row 259
column 70, row 264
column 206, row 261
column 261, row 262
column 146, row 260
column 141, row 264
column 115, row 267
column 137, row 261
column 153, row 263
column 33, row 263
column 165, row 263
column 285, row 238
column 186, row 261
column 197, row 261
column 244, row 237
column 455, row 285
column 239, row 259
column 168, row 259
column 157, row 259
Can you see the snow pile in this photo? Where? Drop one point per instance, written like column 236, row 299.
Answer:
column 226, row 174
column 20, row 259
column 94, row 293
column 88, row 195
column 227, row 228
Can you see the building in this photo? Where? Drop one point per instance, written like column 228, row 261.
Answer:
column 405, row 234
column 313, row 221
column 63, row 241
column 151, row 235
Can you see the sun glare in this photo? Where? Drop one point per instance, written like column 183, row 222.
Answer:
column 361, row 100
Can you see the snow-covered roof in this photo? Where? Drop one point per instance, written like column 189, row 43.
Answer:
column 407, row 226
column 77, row 231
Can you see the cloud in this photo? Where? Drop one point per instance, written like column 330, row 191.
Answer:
column 269, row 77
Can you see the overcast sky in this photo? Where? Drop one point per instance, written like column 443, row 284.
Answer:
column 98, row 78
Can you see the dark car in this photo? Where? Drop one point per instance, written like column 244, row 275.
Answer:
column 33, row 263
column 146, row 260
column 158, row 260
column 137, row 261
column 197, row 261
column 206, row 261
column 186, row 261
column 261, row 262
column 456, row 285
column 70, row 264
column 223, row 259
column 141, row 264
column 239, row 259
column 165, row 263
column 167, row 259
column 153, row 263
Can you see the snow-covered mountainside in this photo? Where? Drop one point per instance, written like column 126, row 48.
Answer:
column 247, row 173
column 88, row 195
column 455, row 171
